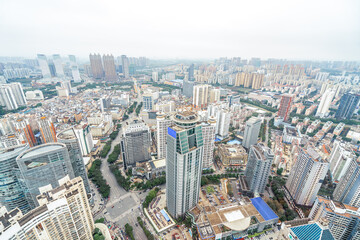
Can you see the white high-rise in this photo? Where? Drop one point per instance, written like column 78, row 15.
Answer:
column 200, row 95
column 340, row 160
column 44, row 66
column 208, row 134
column 252, row 130
column 12, row 96
column 125, row 66
column 58, row 66
column 306, row 176
column 85, row 138
column 155, row 76
column 325, row 102
column 214, row 95
column 18, row 92
column 224, row 123
column 162, row 124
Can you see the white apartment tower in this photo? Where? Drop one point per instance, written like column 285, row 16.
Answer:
column 252, row 130
column 162, row 124
column 44, row 66
column 306, row 176
column 200, row 95
column 208, row 134
column 325, row 103
column 58, row 66
column 340, row 160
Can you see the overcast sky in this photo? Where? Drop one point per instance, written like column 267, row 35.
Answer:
column 293, row 29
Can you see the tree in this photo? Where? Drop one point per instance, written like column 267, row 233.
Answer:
column 129, row 231
column 279, row 171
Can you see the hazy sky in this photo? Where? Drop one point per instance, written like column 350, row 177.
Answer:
column 294, row 29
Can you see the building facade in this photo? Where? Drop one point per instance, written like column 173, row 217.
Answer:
column 208, row 133
column 285, row 106
column 162, row 124
column 347, row 106
column 251, row 134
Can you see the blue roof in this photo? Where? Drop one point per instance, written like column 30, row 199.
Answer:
column 311, row 232
column 165, row 215
column 266, row 212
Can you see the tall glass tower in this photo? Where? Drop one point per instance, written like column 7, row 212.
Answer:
column 184, row 160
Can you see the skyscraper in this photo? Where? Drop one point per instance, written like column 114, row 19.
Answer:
column 252, row 130
column 258, row 167
column 200, row 95
column 44, row 66
column 42, row 167
column 306, row 176
column 325, row 101
column 155, row 76
column 109, row 68
column 125, row 66
column 191, row 72
column 224, row 122
column 340, row 159
column 47, row 130
column 162, row 124
column 184, row 156
column 347, row 106
column 7, row 98
column 208, row 133
column 96, row 66
column 23, row 127
column 64, row 213
column 85, row 138
column 348, row 188
column 214, row 95
column 188, row 88
column 11, row 193
column 18, row 93
column 135, row 143
column 285, row 106
column 68, row 137
column 58, row 66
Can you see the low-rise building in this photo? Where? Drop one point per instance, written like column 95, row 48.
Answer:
column 232, row 155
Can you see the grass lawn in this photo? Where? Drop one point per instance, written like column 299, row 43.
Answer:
column 210, row 189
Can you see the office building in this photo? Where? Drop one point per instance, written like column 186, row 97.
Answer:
column 11, row 193
column 125, row 66
column 105, row 104
column 325, row 102
column 285, row 106
column 135, row 143
column 306, row 176
column 148, row 101
column 208, row 134
column 191, row 72
column 23, row 127
column 47, row 130
column 155, row 76
column 109, row 68
column 69, row 138
column 162, row 124
column 96, row 66
column 64, row 213
column 340, row 159
column 188, row 89
column 348, row 188
column 347, row 106
column 85, row 139
column 251, row 133
column 343, row 220
column 184, row 156
column 200, row 95
column 59, row 69
column 258, row 168
column 44, row 66
column 41, row 167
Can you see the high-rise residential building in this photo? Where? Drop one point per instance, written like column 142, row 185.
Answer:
column 105, row 104
column 58, row 66
column 214, row 95
column 64, row 213
column 96, row 66
column 306, row 176
column 223, row 123
column 52, row 68
column 85, row 138
column 347, row 106
column 7, row 97
column 47, row 130
column 148, row 101
column 125, row 66
column 18, row 93
column 23, row 127
column 348, row 188
column 208, row 133
column 191, row 72
column 109, row 68
column 188, row 88
column 325, row 102
column 69, row 138
column 343, row 220
column 75, row 74
column 155, row 76
column 43, row 166
column 258, row 167
column 72, row 60
column 11, row 193
column 285, row 106
column 44, row 66
column 251, row 133
column 340, row 159
column 200, row 95
column 257, row 80
column 184, row 156
column 135, row 143
column 162, row 124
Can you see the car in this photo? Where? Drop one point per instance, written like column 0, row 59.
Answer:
column 112, row 207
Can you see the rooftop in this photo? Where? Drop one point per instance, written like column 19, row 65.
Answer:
column 45, row 148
